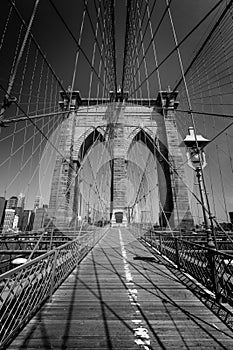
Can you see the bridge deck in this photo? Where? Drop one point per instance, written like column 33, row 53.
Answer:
column 119, row 298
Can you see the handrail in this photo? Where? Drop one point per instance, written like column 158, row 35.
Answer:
column 28, row 245
column 36, row 246
column 210, row 267
column 24, row 289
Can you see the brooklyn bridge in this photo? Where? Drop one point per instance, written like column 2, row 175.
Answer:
column 116, row 207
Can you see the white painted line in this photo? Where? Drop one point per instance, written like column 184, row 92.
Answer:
column 141, row 334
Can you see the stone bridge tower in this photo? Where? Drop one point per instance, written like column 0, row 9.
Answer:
column 121, row 124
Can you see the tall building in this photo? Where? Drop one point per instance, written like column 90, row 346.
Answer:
column 19, row 212
column 9, row 219
column 28, row 220
column 21, row 201
column 25, row 220
column 41, row 215
column 15, row 222
column 37, row 202
column 31, row 222
column 20, row 208
column 2, row 210
column 12, row 202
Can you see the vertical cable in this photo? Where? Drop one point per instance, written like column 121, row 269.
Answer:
column 143, row 53
column 14, row 72
column 189, row 107
column 221, row 181
column 153, row 43
column 5, row 28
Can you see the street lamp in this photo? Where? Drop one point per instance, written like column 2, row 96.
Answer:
column 197, row 161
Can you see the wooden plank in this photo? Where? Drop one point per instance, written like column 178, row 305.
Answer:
column 111, row 294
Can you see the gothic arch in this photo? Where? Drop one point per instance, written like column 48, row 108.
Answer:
column 90, row 137
column 83, row 143
column 160, row 153
column 89, row 140
column 136, row 131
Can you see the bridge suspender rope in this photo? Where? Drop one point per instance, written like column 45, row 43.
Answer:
column 27, row 38
column 225, row 11
column 149, row 14
column 25, row 129
column 90, row 83
column 75, row 40
column 149, row 45
column 7, row 99
column 13, row 6
column 194, row 128
column 215, row 83
column 94, row 165
column 179, row 44
column 139, row 32
column 143, row 52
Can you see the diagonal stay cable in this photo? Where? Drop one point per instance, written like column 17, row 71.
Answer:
column 212, row 114
column 17, row 58
column 216, row 136
column 152, row 38
column 134, row 52
column 37, row 45
column 146, row 27
column 114, row 44
column 180, row 43
column 75, row 40
column 38, row 116
column 175, row 170
column 95, row 35
column 125, row 45
column 107, row 24
column 36, row 126
column 206, row 40
column 32, row 155
column 218, row 55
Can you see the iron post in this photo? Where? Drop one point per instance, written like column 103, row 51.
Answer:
column 197, row 161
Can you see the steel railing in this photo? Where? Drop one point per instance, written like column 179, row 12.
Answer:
column 24, row 289
column 211, row 267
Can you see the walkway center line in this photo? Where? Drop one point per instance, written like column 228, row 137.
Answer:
column 141, row 334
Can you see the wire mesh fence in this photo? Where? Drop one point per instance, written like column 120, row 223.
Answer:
column 210, row 267
column 24, row 289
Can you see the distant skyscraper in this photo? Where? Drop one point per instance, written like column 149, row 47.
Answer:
column 31, row 221
column 9, row 219
column 37, row 202
column 2, row 210
column 19, row 212
column 20, row 209
column 27, row 220
column 12, row 202
column 40, row 218
column 15, row 222
column 21, row 201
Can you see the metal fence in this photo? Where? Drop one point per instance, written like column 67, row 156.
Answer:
column 211, row 267
column 24, row 289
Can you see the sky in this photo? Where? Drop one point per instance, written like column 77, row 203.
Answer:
column 60, row 50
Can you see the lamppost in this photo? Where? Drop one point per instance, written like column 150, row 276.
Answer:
column 197, row 161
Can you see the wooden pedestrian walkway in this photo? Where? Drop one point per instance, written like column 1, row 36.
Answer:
column 120, row 297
